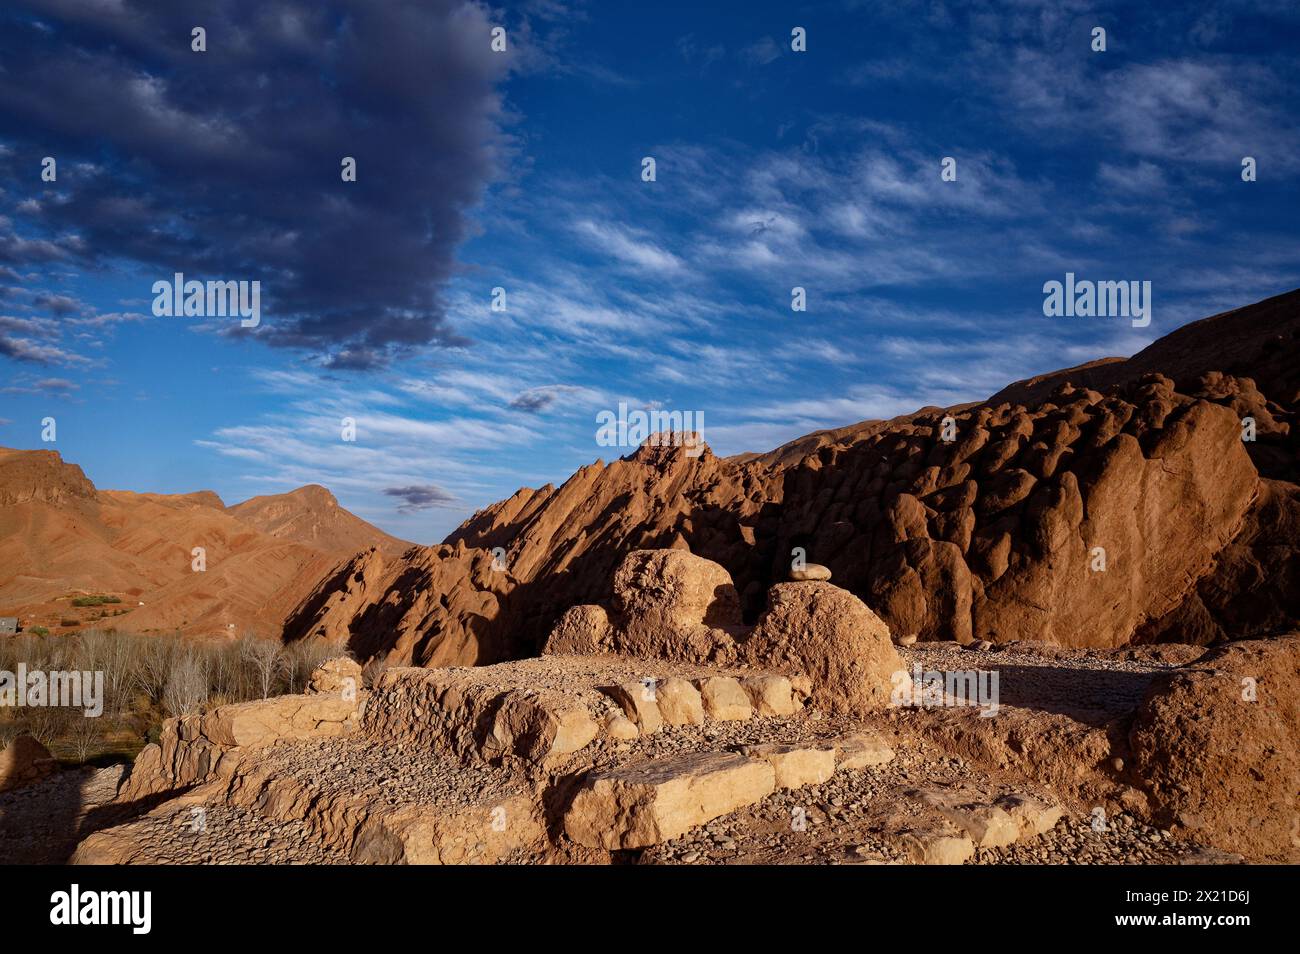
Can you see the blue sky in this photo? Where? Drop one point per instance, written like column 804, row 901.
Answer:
column 522, row 170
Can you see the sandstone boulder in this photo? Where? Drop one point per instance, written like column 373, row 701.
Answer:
column 770, row 695
column 1032, row 816
column 861, row 750
column 639, row 805
column 23, row 761
column 674, row 605
column 637, row 700
column 582, row 629
column 724, row 699
column 539, row 725
column 474, row 834
column 987, row 824
column 620, row 728
column 255, row 724
column 795, row 765
column 679, row 702
column 831, row 636
column 810, row 572
column 340, row 675
column 933, row 841
column 1216, row 745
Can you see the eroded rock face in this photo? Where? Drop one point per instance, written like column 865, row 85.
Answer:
column 435, row 606
column 1216, row 745
column 193, row 749
column 674, row 604
column 582, row 629
column 998, row 535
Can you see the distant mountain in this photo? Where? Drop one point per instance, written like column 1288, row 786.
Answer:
column 312, row 516
column 61, row 538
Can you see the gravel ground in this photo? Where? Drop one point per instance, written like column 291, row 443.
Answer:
column 1074, row 841
column 1092, row 686
column 227, row 835
column 393, row 774
column 716, row 736
column 859, row 816
column 41, row 824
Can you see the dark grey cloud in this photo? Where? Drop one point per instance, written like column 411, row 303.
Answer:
column 59, row 305
column 536, row 400
column 35, row 352
column 41, row 327
column 226, row 164
column 420, row 497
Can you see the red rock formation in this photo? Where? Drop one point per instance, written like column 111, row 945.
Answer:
column 1002, row 533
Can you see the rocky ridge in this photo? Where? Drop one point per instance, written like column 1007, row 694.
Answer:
column 1122, row 502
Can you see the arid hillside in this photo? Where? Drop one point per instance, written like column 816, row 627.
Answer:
column 1125, row 501
column 61, row 539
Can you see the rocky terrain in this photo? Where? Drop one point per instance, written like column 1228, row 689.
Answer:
column 61, row 537
column 1059, row 626
column 708, row 747
column 1122, row 502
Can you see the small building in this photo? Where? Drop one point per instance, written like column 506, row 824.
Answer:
column 8, row 625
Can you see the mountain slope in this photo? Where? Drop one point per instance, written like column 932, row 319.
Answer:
column 312, row 516
column 1095, row 506
column 60, row 537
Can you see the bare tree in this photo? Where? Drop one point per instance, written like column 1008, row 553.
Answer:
column 85, row 736
column 153, row 666
column 47, row 723
column 187, row 683
column 264, row 658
